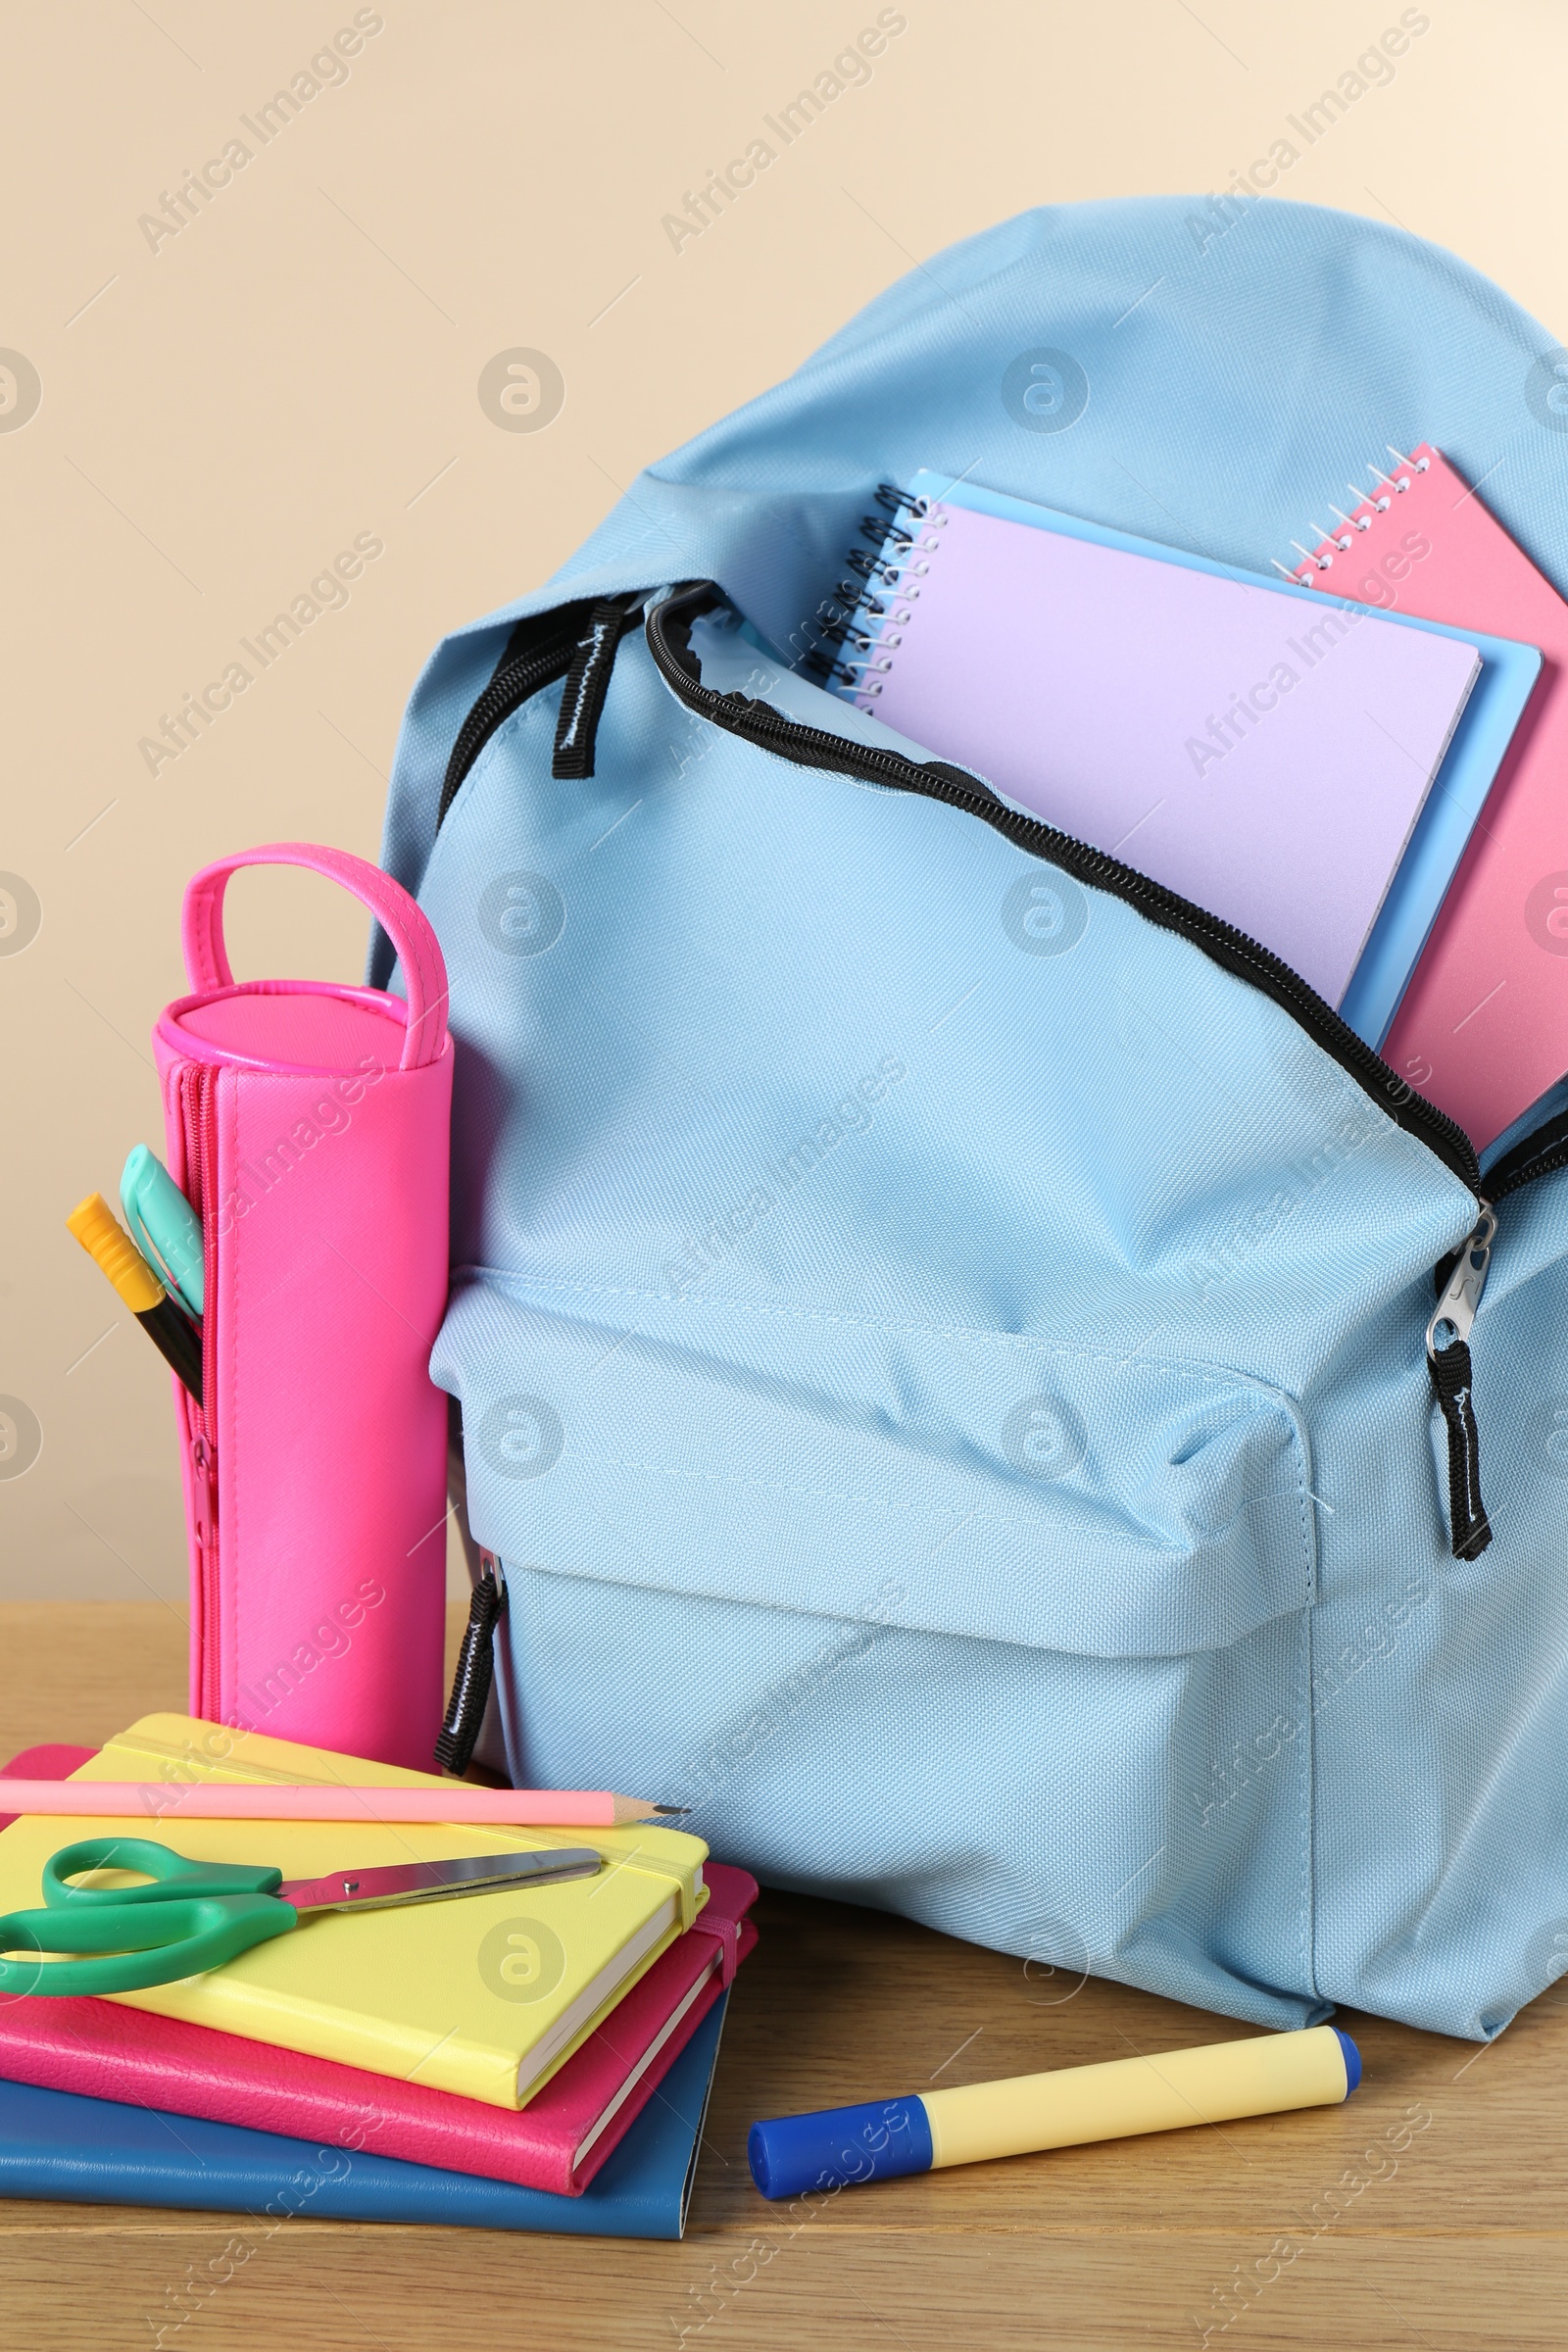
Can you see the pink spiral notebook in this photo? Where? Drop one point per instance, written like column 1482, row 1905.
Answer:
column 1483, row 1026
column 1210, row 733
column 557, row 2141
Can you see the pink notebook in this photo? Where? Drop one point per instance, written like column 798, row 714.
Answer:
column 558, row 2140
column 1210, row 733
column 1483, row 1027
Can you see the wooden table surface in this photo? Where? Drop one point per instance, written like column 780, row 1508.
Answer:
column 1429, row 2210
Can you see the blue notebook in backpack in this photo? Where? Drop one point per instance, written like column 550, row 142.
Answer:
column 74, row 2151
column 941, row 1325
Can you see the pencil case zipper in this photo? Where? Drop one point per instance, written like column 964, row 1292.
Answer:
column 199, row 1126
column 540, row 651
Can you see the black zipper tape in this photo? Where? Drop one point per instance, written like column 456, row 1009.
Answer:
column 1470, row 1527
column 1539, row 1154
column 578, row 642
column 670, row 642
column 582, row 699
column 475, row 1671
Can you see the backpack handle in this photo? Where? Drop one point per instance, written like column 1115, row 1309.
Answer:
column 419, row 951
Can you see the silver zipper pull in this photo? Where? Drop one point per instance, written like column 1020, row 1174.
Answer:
column 1455, row 1311
column 1448, row 1361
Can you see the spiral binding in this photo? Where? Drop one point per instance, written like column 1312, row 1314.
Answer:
column 1370, row 503
column 889, row 554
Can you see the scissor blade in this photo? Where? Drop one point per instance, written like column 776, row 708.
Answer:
column 430, row 1881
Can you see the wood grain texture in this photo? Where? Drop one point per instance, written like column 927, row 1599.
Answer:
column 1428, row 2211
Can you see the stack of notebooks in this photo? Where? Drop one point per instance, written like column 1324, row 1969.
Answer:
column 373, row 2067
column 1348, row 765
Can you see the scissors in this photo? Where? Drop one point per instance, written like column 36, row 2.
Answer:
column 193, row 1916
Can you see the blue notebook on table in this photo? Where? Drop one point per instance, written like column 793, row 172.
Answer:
column 1451, row 807
column 75, row 2151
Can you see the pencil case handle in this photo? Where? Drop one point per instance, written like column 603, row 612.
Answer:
column 419, row 951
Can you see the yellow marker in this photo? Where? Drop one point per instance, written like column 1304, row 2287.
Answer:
column 1317, row 2068
column 111, row 1248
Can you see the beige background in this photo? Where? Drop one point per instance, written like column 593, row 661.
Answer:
column 299, row 364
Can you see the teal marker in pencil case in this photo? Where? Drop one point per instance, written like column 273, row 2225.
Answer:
column 164, row 1225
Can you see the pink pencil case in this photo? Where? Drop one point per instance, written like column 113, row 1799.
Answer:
column 307, row 1124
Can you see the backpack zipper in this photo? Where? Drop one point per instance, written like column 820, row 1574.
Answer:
column 669, row 631
column 1539, row 1154
column 1448, row 1361
column 576, row 642
column 538, row 652
column 541, row 650
column 1461, row 1281
column 475, row 1670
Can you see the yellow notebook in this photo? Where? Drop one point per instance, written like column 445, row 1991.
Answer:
column 418, row 1994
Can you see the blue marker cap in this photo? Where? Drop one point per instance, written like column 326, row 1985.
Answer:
column 1352, row 2060
column 839, row 2145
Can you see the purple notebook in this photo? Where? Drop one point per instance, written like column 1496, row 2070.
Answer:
column 1197, row 729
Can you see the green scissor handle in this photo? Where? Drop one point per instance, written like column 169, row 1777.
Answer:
column 193, row 1917
column 171, row 1874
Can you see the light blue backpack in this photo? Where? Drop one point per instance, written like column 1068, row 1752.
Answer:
column 939, row 1322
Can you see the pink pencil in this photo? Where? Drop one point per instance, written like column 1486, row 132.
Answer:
column 461, row 1804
